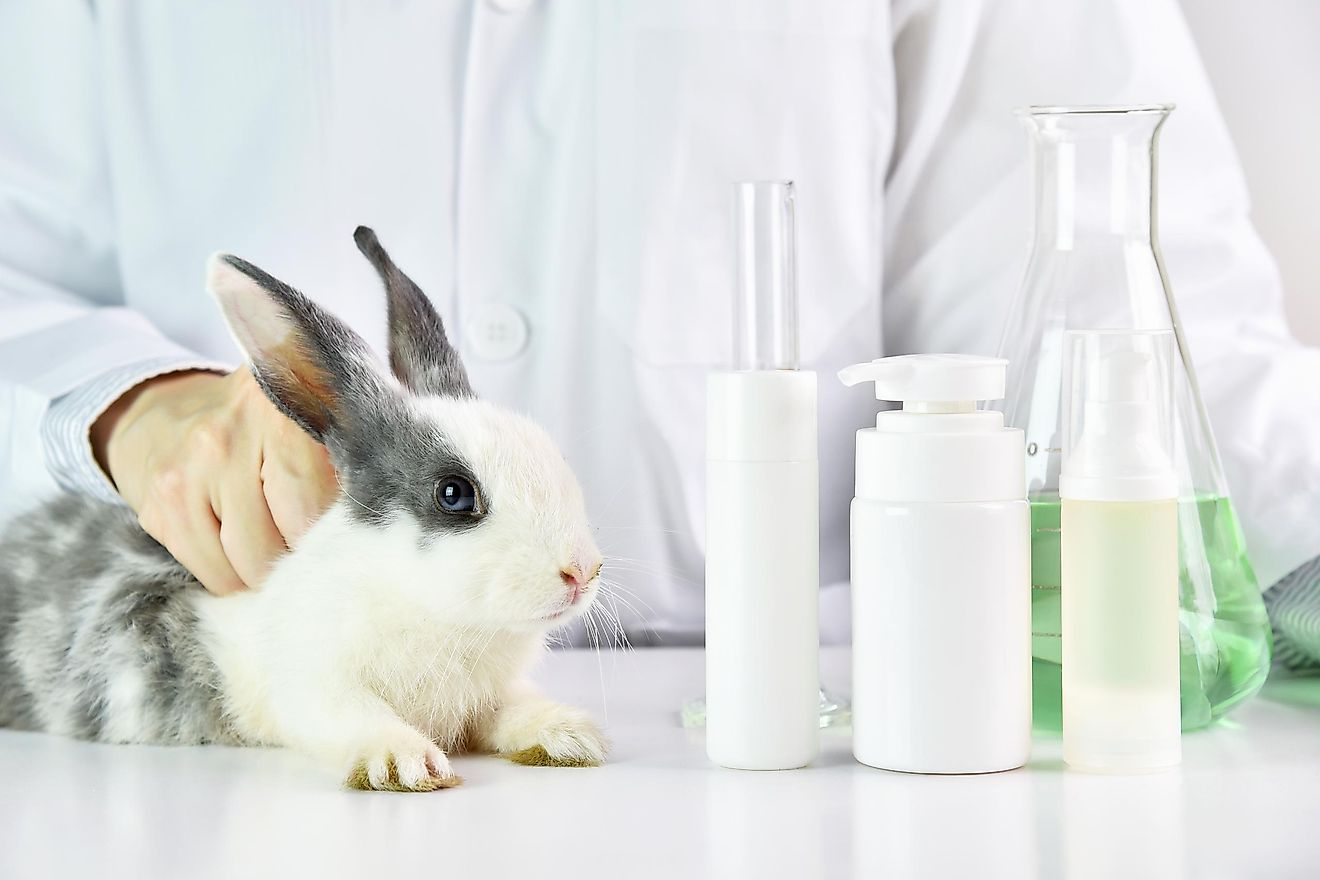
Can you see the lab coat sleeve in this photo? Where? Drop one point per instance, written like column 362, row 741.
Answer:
column 65, row 336
column 66, row 424
column 957, row 211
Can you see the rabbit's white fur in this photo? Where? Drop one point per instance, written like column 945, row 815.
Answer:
column 369, row 645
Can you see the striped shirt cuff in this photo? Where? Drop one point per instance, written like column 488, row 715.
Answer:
column 67, row 424
column 1294, row 606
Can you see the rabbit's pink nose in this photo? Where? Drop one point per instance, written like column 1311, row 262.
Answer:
column 576, row 580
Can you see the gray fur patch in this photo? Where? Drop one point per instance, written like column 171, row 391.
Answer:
column 393, row 469
column 97, row 638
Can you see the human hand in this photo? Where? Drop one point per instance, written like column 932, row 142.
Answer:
column 215, row 473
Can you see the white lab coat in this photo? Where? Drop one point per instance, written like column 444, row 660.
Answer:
column 561, row 169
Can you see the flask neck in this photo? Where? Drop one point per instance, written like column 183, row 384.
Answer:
column 1094, row 176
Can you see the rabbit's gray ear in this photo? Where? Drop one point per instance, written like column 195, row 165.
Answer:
column 315, row 369
column 420, row 354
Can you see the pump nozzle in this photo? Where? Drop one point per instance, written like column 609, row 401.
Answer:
column 1118, row 416
column 940, row 447
column 932, row 383
column 1124, row 376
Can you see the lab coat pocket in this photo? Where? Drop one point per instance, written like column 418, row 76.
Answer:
column 692, row 97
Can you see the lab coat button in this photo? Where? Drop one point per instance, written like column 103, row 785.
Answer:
column 497, row 332
column 510, row 5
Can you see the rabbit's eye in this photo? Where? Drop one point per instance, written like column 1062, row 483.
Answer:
column 455, row 494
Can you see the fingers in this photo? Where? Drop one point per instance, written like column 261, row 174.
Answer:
column 248, row 535
column 228, row 543
column 196, row 544
column 177, row 513
column 299, row 482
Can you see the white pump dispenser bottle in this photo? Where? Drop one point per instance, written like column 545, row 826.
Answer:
column 762, row 541
column 1119, row 553
column 941, row 572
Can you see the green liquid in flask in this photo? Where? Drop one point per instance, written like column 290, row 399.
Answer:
column 1224, row 634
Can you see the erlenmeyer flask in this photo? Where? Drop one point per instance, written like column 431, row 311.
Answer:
column 1095, row 264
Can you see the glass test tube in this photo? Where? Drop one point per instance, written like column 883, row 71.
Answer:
column 766, row 308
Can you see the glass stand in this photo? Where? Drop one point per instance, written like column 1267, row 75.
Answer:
column 834, row 711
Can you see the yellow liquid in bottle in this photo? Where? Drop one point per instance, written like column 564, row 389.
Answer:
column 1119, row 566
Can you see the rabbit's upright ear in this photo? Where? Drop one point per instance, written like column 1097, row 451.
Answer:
column 420, row 354
column 315, row 369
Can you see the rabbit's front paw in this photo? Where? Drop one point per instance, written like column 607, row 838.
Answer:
column 402, row 760
column 551, row 735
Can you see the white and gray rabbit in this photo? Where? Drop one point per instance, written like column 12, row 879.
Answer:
column 398, row 629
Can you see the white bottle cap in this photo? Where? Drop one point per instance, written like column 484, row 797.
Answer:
column 939, row 447
column 1118, row 416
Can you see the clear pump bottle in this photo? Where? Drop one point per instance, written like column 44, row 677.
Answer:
column 762, row 541
column 1119, row 553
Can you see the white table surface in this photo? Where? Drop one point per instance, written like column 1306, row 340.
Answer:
column 1246, row 803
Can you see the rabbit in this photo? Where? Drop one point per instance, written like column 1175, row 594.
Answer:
column 399, row 629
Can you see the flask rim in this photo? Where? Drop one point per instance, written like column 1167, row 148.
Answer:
column 1092, row 109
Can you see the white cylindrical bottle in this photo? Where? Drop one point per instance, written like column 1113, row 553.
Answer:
column 941, row 573
column 1119, row 553
column 762, row 542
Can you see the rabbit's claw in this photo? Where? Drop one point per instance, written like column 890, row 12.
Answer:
column 403, row 763
column 558, row 736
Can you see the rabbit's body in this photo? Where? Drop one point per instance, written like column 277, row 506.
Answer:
column 401, row 624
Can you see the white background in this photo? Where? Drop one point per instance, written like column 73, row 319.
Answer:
column 1264, row 62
